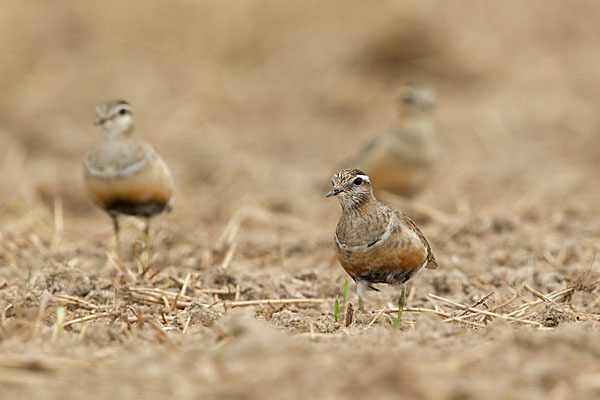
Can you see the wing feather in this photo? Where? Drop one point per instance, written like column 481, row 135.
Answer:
column 431, row 261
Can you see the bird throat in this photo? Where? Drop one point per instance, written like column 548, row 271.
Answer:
column 356, row 203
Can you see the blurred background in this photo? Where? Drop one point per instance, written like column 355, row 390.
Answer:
column 254, row 105
column 259, row 102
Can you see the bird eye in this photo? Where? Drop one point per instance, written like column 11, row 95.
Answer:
column 358, row 181
column 122, row 111
column 407, row 99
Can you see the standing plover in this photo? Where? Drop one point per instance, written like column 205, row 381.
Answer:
column 123, row 174
column 401, row 161
column 374, row 242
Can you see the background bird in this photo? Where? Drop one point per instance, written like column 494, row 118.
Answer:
column 401, row 161
column 374, row 242
column 123, row 174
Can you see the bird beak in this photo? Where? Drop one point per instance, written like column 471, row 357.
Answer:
column 99, row 121
column 334, row 192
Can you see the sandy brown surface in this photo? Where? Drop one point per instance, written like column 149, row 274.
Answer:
column 254, row 105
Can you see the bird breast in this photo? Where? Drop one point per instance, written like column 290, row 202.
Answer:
column 128, row 176
column 397, row 249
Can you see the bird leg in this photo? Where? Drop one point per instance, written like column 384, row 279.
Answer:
column 145, row 263
column 117, row 241
column 361, row 287
column 401, row 303
column 147, row 237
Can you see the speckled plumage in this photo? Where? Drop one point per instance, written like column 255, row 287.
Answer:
column 374, row 242
column 402, row 160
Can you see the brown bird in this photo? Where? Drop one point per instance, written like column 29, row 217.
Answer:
column 123, row 174
column 402, row 160
column 374, row 242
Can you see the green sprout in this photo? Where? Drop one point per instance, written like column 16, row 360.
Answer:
column 60, row 320
column 345, row 294
column 219, row 353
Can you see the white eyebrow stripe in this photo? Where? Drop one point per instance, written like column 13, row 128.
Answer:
column 364, row 178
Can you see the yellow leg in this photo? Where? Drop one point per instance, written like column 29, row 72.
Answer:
column 361, row 288
column 361, row 306
column 145, row 264
column 147, row 237
column 117, row 241
column 401, row 303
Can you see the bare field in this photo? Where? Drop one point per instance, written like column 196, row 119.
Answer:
column 254, row 105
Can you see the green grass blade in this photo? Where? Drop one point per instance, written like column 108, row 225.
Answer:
column 60, row 320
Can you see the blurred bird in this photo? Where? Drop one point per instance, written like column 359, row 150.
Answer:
column 374, row 242
column 401, row 161
column 123, row 174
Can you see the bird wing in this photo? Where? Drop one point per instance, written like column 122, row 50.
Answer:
column 431, row 261
column 166, row 172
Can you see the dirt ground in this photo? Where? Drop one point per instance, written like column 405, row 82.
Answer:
column 254, row 105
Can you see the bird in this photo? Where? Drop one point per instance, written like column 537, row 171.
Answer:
column 124, row 174
column 374, row 242
column 402, row 160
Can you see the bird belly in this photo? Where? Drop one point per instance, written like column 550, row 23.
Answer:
column 145, row 193
column 390, row 262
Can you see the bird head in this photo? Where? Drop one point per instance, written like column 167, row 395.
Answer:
column 352, row 187
column 415, row 98
column 114, row 116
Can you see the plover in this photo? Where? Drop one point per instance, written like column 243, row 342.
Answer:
column 123, row 174
column 375, row 243
column 401, row 161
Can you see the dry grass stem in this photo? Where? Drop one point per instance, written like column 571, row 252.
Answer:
column 228, row 256
column 348, row 315
column 157, row 328
column 124, row 271
column 87, row 318
column 541, row 296
column 67, row 299
column 506, row 303
column 489, row 313
column 234, row 304
column 59, row 224
column 186, row 325
column 447, row 317
column 553, row 296
column 376, row 317
column 478, row 303
column 186, row 282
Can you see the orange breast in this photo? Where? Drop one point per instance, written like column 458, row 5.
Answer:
column 397, row 255
column 150, row 188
